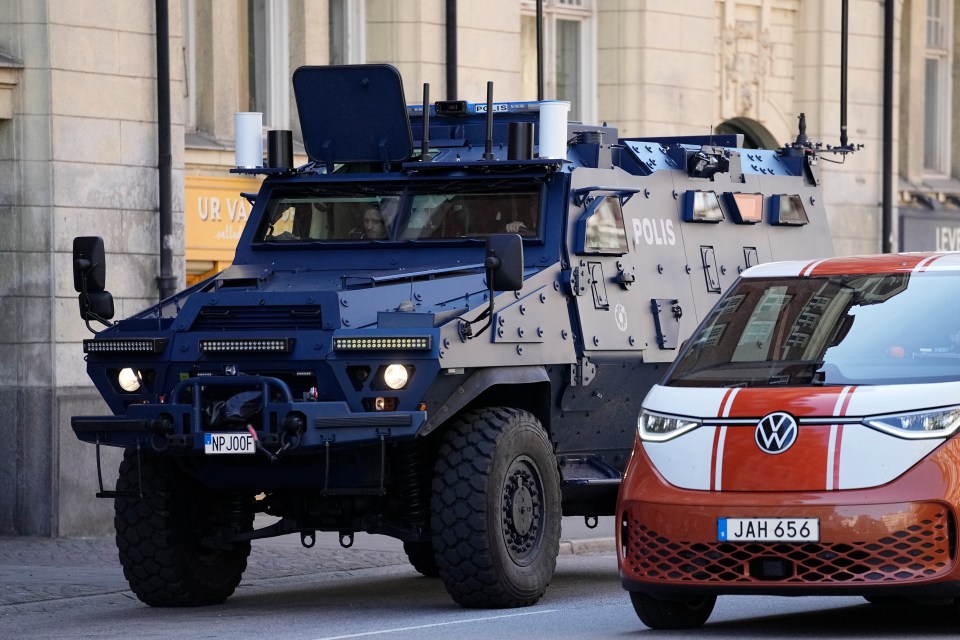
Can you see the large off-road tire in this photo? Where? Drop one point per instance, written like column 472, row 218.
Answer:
column 495, row 509
column 672, row 614
column 161, row 536
column 422, row 557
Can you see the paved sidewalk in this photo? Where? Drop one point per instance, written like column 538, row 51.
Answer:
column 40, row 569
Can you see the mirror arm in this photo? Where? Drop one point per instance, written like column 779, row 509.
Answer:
column 466, row 326
column 493, row 263
column 87, row 313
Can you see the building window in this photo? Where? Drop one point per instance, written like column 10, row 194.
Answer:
column 755, row 135
column 936, row 98
column 568, row 53
column 347, row 41
column 268, row 61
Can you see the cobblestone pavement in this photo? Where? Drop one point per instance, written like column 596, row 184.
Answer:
column 36, row 569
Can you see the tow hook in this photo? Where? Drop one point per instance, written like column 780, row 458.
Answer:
column 346, row 539
column 308, row 538
column 590, row 521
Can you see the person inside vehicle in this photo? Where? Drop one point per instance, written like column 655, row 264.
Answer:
column 517, row 215
column 373, row 227
column 516, row 226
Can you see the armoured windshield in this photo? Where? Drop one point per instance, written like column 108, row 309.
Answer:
column 358, row 213
column 842, row 330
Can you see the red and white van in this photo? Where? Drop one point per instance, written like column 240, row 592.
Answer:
column 803, row 442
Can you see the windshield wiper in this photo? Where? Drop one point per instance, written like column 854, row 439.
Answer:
column 411, row 275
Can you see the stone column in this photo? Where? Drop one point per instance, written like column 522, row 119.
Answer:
column 78, row 157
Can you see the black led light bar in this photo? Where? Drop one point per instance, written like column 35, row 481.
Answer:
column 125, row 345
column 384, row 343
column 247, row 345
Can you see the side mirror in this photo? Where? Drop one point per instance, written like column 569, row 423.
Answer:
column 96, row 306
column 89, row 265
column 504, row 266
column 504, row 262
column 89, row 280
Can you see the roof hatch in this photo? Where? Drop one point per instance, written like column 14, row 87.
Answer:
column 353, row 113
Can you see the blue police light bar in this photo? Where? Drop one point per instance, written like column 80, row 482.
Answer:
column 458, row 107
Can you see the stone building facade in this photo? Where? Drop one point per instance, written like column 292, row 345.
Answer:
column 79, row 151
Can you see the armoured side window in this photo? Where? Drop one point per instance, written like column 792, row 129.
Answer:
column 600, row 229
column 516, row 213
column 449, row 216
column 288, row 222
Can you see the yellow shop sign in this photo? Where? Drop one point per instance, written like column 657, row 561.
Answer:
column 216, row 214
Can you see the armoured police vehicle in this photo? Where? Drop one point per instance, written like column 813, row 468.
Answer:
column 439, row 329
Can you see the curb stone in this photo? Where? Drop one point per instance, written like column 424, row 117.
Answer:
column 587, row 546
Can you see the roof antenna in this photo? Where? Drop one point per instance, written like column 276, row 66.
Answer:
column 488, row 149
column 844, row 28
column 845, row 145
column 425, row 144
column 539, row 50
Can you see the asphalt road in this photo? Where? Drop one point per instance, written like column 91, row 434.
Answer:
column 75, row 589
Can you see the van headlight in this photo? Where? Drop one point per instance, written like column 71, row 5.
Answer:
column 939, row 423
column 657, row 427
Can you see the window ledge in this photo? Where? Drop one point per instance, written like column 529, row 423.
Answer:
column 10, row 69
column 932, row 192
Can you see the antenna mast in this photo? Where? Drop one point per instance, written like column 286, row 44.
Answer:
column 844, row 29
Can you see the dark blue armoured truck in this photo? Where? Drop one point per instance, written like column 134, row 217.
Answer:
column 429, row 331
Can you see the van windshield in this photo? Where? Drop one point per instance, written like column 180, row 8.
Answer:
column 361, row 212
column 838, row 330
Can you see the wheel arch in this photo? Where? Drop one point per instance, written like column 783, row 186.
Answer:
column 526, row 388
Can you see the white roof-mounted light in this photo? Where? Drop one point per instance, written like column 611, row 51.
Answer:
column 248, row 134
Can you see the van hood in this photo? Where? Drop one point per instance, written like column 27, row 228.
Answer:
column 791, row 438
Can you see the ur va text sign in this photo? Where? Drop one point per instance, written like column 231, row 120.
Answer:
column 216, row 214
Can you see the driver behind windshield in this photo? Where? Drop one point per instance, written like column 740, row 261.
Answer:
column 372, row 226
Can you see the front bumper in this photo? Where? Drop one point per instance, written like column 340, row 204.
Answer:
column 898, row 538
column 301, row 426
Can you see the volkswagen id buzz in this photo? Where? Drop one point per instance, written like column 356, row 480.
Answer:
column 803, row 442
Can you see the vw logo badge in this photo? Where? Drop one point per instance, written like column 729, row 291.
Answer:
column 776, row 432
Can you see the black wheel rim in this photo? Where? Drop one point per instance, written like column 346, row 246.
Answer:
column 521, row 510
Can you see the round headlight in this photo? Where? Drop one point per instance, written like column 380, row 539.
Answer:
column 396, row 376
column 129, row 380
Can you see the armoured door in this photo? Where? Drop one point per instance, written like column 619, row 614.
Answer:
column 602, row 272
